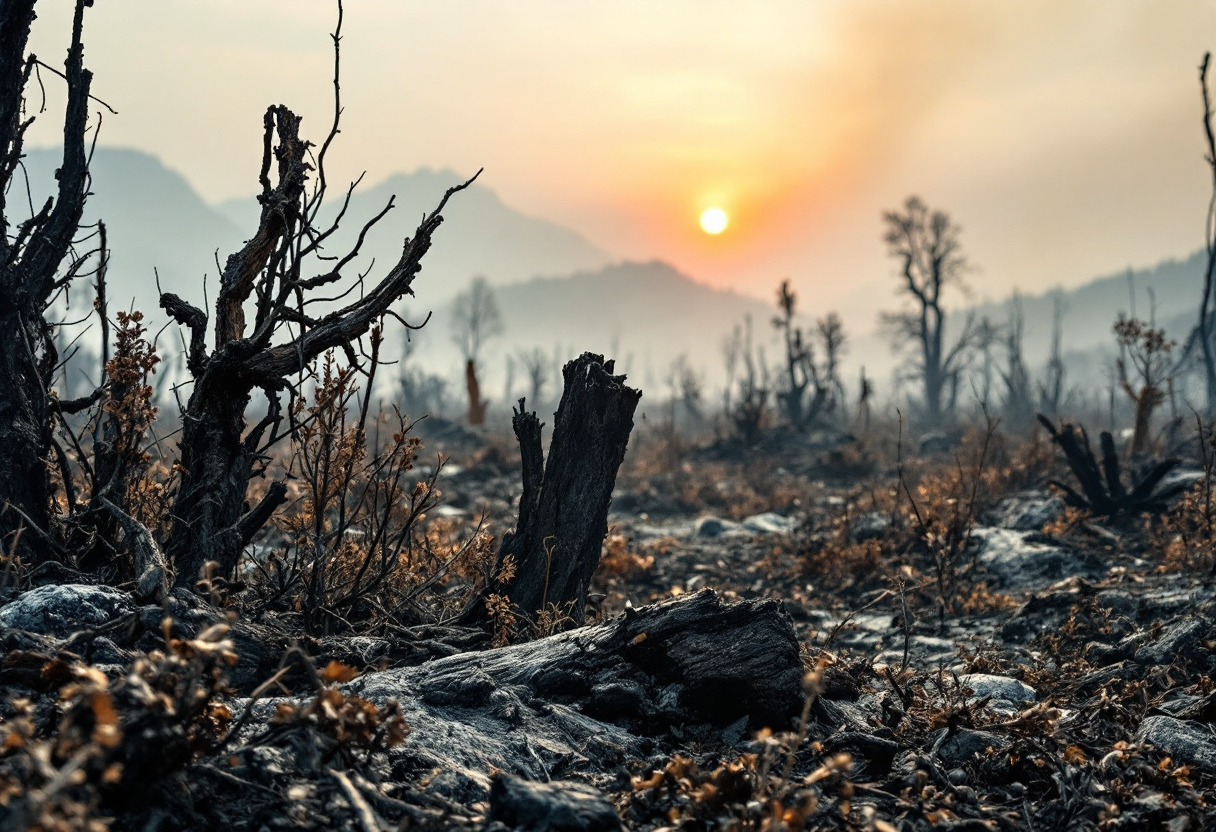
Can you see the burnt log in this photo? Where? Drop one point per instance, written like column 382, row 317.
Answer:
column 582, row 701
column 563, row 513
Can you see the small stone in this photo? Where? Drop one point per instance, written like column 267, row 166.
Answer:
column 1026, row 512
column 966, row 744
column 713, row 527
column 1005, row 693
column 560, row 806
column 936, row 442
column 1173, row 643
column 870, row 526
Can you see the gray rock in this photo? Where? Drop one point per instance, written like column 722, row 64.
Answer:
column 963, row 746
column 1026, row 512
column 550, row 807
column 871, row 526
column 1004, row 692
column 1176, row 640
column 1017, row 561
column 936, row 442
column 714, row 527
column 769, row 523
column 60, row 610
column 1185, row 742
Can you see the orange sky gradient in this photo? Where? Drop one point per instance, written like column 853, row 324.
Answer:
column 1063, row 135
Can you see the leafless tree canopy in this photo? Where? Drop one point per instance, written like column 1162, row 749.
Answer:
column 926, row 245
column 475, row 319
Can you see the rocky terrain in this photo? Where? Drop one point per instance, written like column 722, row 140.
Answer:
column 772, row 642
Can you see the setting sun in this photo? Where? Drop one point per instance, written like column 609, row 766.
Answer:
column 714, row 220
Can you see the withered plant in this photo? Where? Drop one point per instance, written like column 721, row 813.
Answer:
column 352, row 546
column 811, row 388
column 1144, row 368
column 941, row 511
column 285, row 298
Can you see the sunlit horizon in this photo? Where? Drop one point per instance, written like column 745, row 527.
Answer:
column 1063, row 136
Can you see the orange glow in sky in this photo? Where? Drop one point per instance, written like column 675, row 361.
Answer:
column 1063, row 135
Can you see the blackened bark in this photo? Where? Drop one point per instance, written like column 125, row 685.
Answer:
column 211, row 519
column 1102, row 490
column 216, row 466
column 30, row 259
column 25, row 438
column 477, row 407
column 562, row 523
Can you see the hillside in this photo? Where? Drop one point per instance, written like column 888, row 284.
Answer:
column 644, row 314
column 482, row 235
column 155, row 220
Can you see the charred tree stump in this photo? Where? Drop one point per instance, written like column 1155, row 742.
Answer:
column 563, row 513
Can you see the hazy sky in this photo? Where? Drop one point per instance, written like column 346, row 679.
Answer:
column 1063, row 135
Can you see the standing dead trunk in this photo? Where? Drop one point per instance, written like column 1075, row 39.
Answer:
column 25, row 439
column 217, row 464
column 477, row 406
column 563, row 514
column 219, row 450
column 32, row 252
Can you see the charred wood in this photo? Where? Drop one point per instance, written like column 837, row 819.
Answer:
column 563, row 514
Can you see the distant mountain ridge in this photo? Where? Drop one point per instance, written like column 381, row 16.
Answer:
column 155, row 221
column 481, row 235
column 646, row 312
column 1167, row 292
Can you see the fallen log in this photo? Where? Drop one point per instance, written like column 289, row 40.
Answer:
column 584, row 701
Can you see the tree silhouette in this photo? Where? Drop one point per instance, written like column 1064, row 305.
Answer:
column 927, row 247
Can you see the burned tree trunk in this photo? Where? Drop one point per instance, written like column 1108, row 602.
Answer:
column 563, row 514
column 477, row 405
column 31, row 254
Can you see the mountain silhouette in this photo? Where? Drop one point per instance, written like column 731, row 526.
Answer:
column 481, row 235
column 155, row 221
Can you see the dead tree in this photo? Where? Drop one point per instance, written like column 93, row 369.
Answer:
column 1205, row 328
column 811, row 387
column 563, row 513
column 271, row 280
column 37, row 263
column 1051, row 389
column 475, row 319
column 536, row 367
column 1147, row 350
column 927, row 246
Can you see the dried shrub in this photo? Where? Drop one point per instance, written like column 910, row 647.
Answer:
column 113, row 741
column 353, row 548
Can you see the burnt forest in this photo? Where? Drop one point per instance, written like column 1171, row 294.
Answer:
column 263, row 567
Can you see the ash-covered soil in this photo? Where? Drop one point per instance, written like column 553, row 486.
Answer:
column 888, row 646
